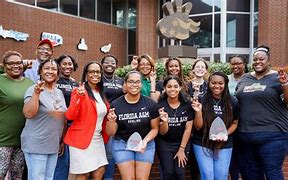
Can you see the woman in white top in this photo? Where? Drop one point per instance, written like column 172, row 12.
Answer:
column 86, row 135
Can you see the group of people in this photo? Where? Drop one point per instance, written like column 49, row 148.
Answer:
column 61, row 128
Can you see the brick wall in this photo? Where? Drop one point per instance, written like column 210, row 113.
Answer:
column 34, row 21
column 146, row 37
column 273, row 31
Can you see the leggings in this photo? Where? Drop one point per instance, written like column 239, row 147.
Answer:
column 170, row 167
column 12, row 160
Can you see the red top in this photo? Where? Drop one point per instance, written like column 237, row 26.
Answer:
column 83, row 112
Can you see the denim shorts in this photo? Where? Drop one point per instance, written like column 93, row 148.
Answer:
column 121, row 155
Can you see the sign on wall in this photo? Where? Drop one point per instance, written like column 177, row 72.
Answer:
column 18, row 36
column 56, row 39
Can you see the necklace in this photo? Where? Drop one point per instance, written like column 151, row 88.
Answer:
column 110, row 80
column 174, row 111
column 216, row 102
column 65, row 80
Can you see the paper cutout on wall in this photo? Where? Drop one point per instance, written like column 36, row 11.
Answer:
column 106, row 48
column 18, row 36
column 82, row 45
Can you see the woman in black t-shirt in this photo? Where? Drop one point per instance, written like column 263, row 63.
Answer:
column 197, row 87
column 66, row 84
column 113, row 88
column 112, row 84
column 173, row 67
column 132, row 113
column 213, row 155
column 176, row 116
column 263, row 125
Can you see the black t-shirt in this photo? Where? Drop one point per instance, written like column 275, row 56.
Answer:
column 218, row 110
column 203, row 89
column 261, row 106
column 66, row 86
column 113, row 88
column 159, row 86
column 134, row 117
column 177, row 119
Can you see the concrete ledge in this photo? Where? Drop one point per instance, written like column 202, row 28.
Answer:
column 177, row 51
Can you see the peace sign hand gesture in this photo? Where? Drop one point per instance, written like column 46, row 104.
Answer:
column 111, row 116
column 81, row 88
column 196, row 105
column 39, row 87
column 163, row 115
column 282, row 76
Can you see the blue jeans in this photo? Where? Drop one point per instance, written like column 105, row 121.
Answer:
column 110, row 168
column 215, row 166
column 262, row 153
column 40, row 166
column 62, row 167
column 121, row 155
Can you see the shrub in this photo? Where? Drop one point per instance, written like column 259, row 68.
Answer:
column 187, row 67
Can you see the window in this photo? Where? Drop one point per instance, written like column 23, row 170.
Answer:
column 104, row 11
column 217, row 5
column 30, row 2
column 203, row 6
column 223, row 31
column 236, row 5
column 217, row 30
column 87, row 9
column 237, row 34
column 48, row 4
column 132, row 15
column 119, row 13
column 69, row 6
column 203, row 37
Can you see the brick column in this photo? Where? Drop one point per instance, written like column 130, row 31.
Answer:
column 146, row 37
column 273, row 31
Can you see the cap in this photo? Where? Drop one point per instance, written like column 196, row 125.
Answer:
column 46, row 41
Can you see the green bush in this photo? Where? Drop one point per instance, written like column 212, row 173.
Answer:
column 187, row 67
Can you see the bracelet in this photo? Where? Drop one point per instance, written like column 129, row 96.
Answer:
column 182, row 147
column 152, row 91
column 285, row 84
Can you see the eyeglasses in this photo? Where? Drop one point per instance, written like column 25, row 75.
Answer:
column 11, row 63
column 92, row 72
column 131, row 83
column 44, row 49
column 145, row 64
